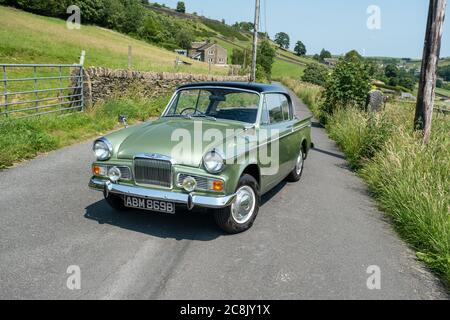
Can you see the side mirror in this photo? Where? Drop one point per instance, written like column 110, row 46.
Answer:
column 123, row 120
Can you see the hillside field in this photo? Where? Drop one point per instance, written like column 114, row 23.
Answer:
column 29, row 38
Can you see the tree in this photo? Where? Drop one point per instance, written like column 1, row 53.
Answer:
column 244, row 26
column 348, row 85
column 391, row 71
column 282, row 39
column 316, row 74
column 300, row 48
column 241, row 57
column 181, row 7
column 184, row 39
column 353, row 55
column 266, row 58
column 325, row 54
column 444, row 72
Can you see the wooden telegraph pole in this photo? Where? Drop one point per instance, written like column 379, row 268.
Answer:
column 430, row 60
column 255, row 40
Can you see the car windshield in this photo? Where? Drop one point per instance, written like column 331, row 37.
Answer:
column 225, row 104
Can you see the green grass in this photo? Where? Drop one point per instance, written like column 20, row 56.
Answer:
column 410, row 180
column 29, row 38
column 22, row 139
column 285, row 69
column 443, row 92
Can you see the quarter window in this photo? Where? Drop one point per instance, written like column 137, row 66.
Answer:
column 285, row 107
column 277, row 106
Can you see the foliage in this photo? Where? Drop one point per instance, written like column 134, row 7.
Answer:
column 325, row 54
column 300, row 48
column 316, row 74
column 396, row 77
column 347, row 86
column 266, row 57
column 282, row 39
column 224, row 29
column 241, row 57
column 444, row 72
column 181, row 7
column 244, row 26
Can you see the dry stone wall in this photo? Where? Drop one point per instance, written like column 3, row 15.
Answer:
column 103, row 83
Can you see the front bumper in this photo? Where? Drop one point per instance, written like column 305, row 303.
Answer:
column 190, row 200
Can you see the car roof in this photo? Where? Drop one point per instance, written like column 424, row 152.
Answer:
column 252, row 86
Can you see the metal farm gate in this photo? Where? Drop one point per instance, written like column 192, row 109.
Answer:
column 37, row 89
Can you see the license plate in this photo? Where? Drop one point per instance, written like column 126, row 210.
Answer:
column 149, row 204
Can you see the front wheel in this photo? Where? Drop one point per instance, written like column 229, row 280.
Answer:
column 241, row 215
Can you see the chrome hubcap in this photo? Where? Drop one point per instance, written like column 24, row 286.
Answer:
column 243, row 207
column 299, row 165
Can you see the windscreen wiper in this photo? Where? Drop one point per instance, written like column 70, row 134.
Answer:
column 205, row 116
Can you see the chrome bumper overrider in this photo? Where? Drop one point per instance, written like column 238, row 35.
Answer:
column 190, row 200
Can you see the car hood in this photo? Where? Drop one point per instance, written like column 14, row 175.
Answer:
column 174, row 138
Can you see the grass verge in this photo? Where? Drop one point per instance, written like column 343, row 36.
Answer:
column 409, row 180
column 22, row 139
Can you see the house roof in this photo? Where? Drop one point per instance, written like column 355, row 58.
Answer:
column 252, row 86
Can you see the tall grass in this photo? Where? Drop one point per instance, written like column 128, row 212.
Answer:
column 309, row 93
column 22, row 139
column 410, row 180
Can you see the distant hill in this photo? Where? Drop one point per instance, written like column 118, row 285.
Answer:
column 287, row 63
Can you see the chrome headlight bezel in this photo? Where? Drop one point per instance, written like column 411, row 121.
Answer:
column 104, row 145
column 214, row 162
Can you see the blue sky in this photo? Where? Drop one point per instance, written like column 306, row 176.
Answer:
column 338, row 26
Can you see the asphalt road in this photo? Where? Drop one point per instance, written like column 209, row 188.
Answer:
column 312, row 240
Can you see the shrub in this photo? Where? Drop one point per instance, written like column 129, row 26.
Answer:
column 347, row 86
column 316, row 74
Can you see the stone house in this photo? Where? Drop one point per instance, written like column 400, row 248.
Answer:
column 209, row 52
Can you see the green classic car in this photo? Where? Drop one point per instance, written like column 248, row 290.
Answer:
column 219, row 146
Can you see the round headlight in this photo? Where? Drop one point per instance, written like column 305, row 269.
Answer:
column 102, row 149
column 189, row 184
column 114, row 174
column 213, row 162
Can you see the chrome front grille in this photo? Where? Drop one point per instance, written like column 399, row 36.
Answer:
column 153, row 172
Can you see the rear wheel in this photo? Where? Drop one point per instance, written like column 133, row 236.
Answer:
column 241, row 215
column 296, row 174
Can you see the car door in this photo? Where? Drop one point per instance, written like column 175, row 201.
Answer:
column 276, row 128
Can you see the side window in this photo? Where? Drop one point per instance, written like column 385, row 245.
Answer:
column 274, row 108
column 285, row 107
